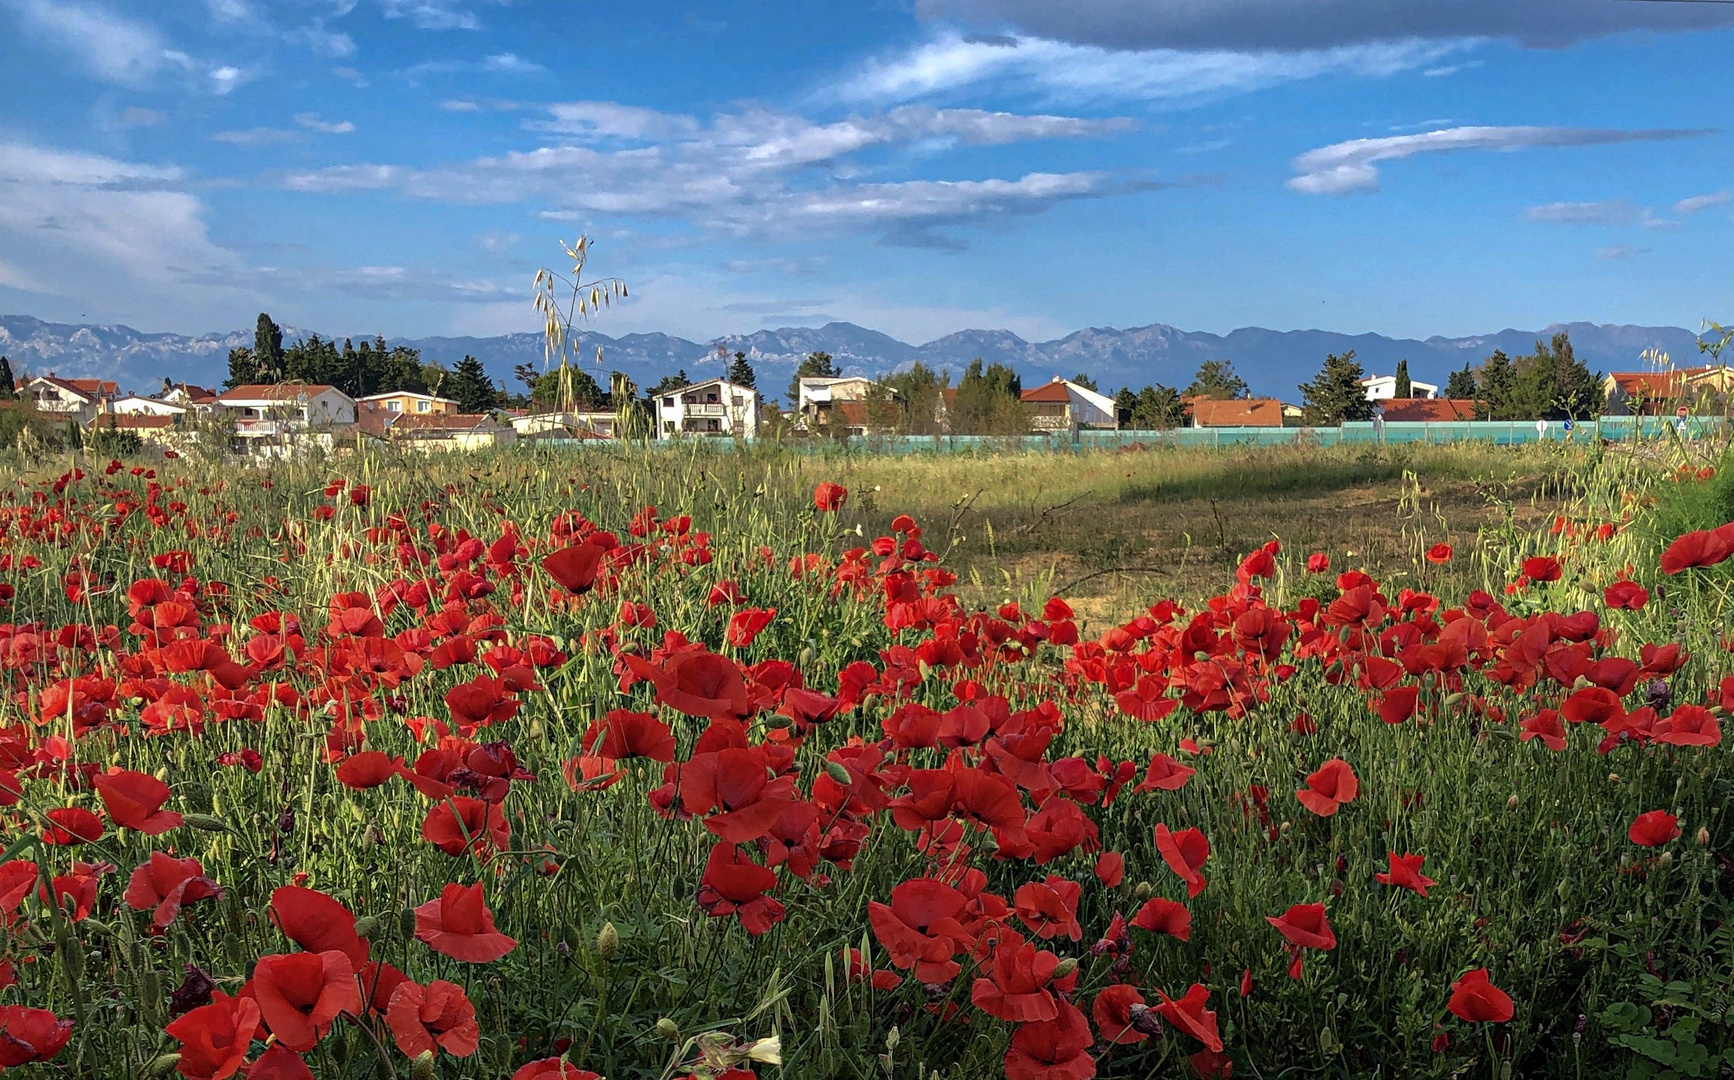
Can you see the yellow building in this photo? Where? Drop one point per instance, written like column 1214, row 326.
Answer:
column 410, row 403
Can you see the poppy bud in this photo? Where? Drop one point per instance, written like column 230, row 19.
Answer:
column 607, row 941
column 838, row 772
column 205, row 822
column 406, row 923
column 1511, row 803
column 162, row 1065
column 1144, row 1019
column 422, row 1068
column 1065, row 967
column 1452, row 700
column 668, row 1029
column 1143, row 891
column 1703, row 840
column 805, row 657
column 1613, row 778
column 892, row 1038
column 366, row 925
column 1666, row 858
column 777, row 720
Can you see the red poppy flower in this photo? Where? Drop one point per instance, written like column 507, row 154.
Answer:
column 696, row 683
column 735, row 885
column 165, row 883
column 1399, row 703
column 1332, row 785
column 1184, row 852
column 437, row 1016
column 1147, row 699
column 920, row 928
column 1057, row 1049
column 1542, row 568
column 1545, row 726
column 625, row 734
column 301, row 995
column 1305, row 925
column 214, row 1037
column 135, row 801
column 1049, row 908
column 79, row 886
column 735, row 781
column 1111, row 868
column 553, row 1069
column 1014, row 983
column 1189, row 1015
column 576, row 567
column 28, row 1035
column 481, row 702
column 1593, row 705
column 829, row 497
column 1706, row 547
column 368, row 769
column 1476, row 1000
column 461, row 823
column 1406, row 873
column 69, row 825
column 1318, row 562
column 278, row 1062
column 1653, row 829
column 1689, row 725
column 459, row 925
column 1112, row 1011
column 1439, row 554
column 746, row 624
column 1160, row 915
column 1626, row 595
column 317, row 923
column 1165, row 774
column 17, row 878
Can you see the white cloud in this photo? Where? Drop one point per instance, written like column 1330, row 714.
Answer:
column 1612, row 212
column 460, row 106
column 111, row 46
column 432, row 14
column 134, row 116
column 1309, row 24
column 256, row 136
column 1698, row 203
column 312, row 122
column 751, row 172
column 1621, row 251
column 511, row 64
column 1346, row 167
column 1062, row 71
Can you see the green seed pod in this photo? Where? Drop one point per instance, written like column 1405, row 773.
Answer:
column 607, row 941
column 1066, row 967
column 161, row 1065
column 668, row 1029
column 406, row 922
column 1143, row 891
column 206, row 822
column 366, row 925
column 838, row 772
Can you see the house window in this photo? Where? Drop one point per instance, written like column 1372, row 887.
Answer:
column 421, row 406
column 394, row 406
column 668, row 403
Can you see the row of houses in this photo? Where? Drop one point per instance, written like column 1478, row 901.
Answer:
column 281, row 417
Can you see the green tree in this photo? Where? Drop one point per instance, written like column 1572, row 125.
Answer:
column 1124, row 402
column 1461, row 384
column 1216, row 379
column 918, row 398
column 315, row 360
column 471, row 388
column 1158, row 408
column 1550, row 383
column 741, row 373
column 817, row 365
column 8, row 381
column 668, row 384
column 1085, row 381
column 567, row 387
column 267, row 350
column 987, row 401
column 1405, row 388
column 1335, row 394
column 243, row 368
column 1498, row 384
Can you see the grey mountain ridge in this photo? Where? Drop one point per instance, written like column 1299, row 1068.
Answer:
column 1273, row 362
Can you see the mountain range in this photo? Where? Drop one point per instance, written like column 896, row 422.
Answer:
column 1273, row 362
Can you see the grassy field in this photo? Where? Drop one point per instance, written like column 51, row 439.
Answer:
column 1047, row 767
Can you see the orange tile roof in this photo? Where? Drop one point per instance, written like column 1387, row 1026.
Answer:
column 273, row 392
column 132, row 422
column 429, row 422
column 1048, row 393
column 1428, row 410
column 1242, row 412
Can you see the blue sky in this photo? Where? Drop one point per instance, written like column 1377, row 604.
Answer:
column 404, row 166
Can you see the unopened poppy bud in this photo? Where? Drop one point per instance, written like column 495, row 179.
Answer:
column 1143, row 891
column 1703, row 838
column 1144, row 1019
column 366, row 925
column 607, row 941
column 1065, row 967
column 162, row 1065
column 769, row 1050
column 1613, row 778
column 422, row 1068
column 668, row 1029
column 1452, row 700
column 205, row 822
column 1666, row 858
column 1511, row 803
column 777, row 720
column 406, row 922
column 805, row 657
column 892, row 1038
column 838, row 772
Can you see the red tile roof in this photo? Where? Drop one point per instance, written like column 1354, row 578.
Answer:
column 1052, row 393
column 273, row 392
column 86, row 388
column 418, row 423
column 1243, row 412
column 132, row 422
column 1428, row 410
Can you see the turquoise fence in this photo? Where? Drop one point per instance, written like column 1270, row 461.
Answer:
column 1498, row 432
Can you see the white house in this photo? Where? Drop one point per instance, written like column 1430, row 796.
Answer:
column 824, row 404
column 1063, row 405
column 79, row 400
column 712, row 407
column 580, row 424
column 201, row 400
column 138, row 405
column 1384, row 388
column 280, row 412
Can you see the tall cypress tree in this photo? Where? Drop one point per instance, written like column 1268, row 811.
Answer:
column 267, row 350
column 8, row 381
column 1405, row 388
column 741, row 373
column 471, row 388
